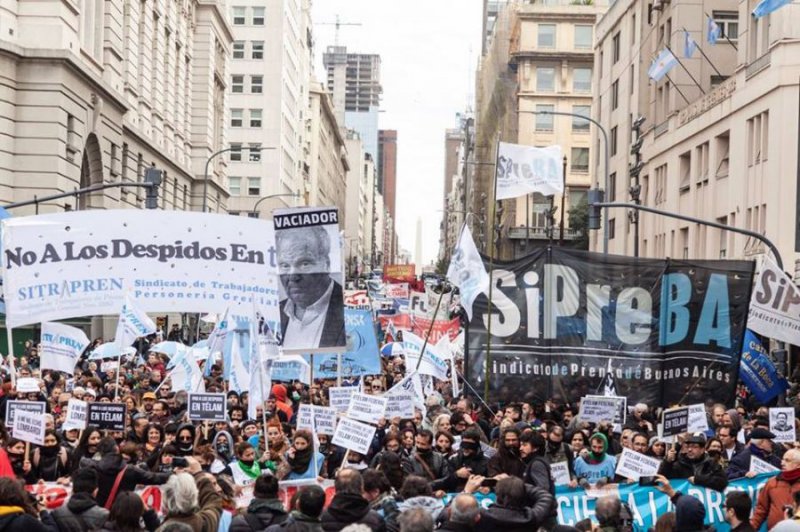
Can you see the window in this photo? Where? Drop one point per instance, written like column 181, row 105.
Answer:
column 579, row 125
column 582, row 80
column 723, row 238
column 237, row 84
column 545, row 79
column 252, row 214
column 236, row 152
column 612, row 187
column 615, row 49
column 615, row 95
column 234, row 213
column 613, row 140
column 633, row 29
column 583, row 37
column 258, row 16
column 257, row 49
column 256, row 84
column 544, row 122
column 547, row 36
column 757, row 136
column 238, row 16
column 612, row 223
column 728, row 22
column 238, row 49
column 253, row 186
column 236, row 117
column 685, row 243
column 685, row 169
column 255, row 117
column 702, row 153
column 579, row 160
column 661, row 184
column 722, row 151
column 255, row 152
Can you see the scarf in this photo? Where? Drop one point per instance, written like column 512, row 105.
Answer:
column 301, row 460
column 755, row 451
column 253, row 470
column 790, row 476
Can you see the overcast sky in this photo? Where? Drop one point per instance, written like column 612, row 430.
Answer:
column 428, row 49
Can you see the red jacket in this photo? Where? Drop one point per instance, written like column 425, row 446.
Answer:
column 775, row 494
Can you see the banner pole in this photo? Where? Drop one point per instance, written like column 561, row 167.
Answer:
column 491, row 274
column 12, row 367
column 430, row 328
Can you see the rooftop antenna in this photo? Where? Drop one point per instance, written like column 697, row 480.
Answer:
column 338, row 24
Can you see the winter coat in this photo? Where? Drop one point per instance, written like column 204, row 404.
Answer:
column 477, row 463
column 436, row 463
column 261, row 513
column 297, row 522
column 387, row 508
column 14, row 519
column 206, row 519
column 536, row 512
column 431, row 505
column 740, row 463
column 706, row 472
column 80, row 513
column 109, row 466
column 775, row 494
column 510, row 464
column 349, row 508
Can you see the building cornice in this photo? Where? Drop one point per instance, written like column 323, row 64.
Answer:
column 557, row 16
column 219, row 16
column 554, row 55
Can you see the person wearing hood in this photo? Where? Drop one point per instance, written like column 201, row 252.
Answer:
column 469, row 460
column 507, row 459
column 690, row 513
column 113, row 471
column 597, row 467
column 694, row 465
column 519, row 508
column 778, row 492
column 264, row 510
column 81, row 511
column 761, row 447
column 223, row 446
column 416, row 493
column 17, row 514
column 281, row 401
column 185, row 439
column 349, row 506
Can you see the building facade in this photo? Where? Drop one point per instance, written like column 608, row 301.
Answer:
column 387, row 187
column 329, row 160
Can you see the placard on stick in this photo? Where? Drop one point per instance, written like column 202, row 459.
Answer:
column 206, row 406
column 12, row 407
column 29, row 427
column 675, row 421
column 599, row 408
column 107, row 416
column 353, row 435
column 77, row 415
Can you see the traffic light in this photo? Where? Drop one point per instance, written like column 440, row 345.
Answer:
column 154, row 176
column 595, row 195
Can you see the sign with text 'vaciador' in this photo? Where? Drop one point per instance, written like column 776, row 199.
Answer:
column 58, row 266
column 670, row 331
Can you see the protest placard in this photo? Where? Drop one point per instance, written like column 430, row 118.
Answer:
column 369, row 408
column 560, row 473
column 109, row 365
column 305, row 417
column 325, row 419
column 399, row 404
column 757, row 466
column 698, row 421
column 598, row 408
column 207, row 406
column 675, row 421
column 109, row 416
column 781, row 423
column 339, row 397
column 29, row 427
column 354, row 435
column 633, row 465
column 77, row 415
column 12, row 407
column 28, row 385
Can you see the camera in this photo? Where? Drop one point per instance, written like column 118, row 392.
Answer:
column 647, row 481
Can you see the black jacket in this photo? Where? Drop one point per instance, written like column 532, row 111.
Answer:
column 740, row 463
column 297, row 522
column 80, row 513
column 333, row 329
column 109, row 466
column 705, row 471
column 536, row 512
column 14, row 520
column 348, row 508
column 476, row 463
column 261, row 513
column 436, row 463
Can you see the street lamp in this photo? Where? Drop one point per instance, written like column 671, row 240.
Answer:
column 208, row 162
column 255, row 207
column 605, row 141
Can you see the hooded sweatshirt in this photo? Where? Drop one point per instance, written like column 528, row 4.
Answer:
column 594, row 467
column 348, row 508
column 279, row 391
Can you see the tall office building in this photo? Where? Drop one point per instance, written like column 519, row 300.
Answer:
column 387, row 187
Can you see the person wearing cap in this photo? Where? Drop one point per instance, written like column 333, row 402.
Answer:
column 761, row 447
column 694, row 464
column 778, row 492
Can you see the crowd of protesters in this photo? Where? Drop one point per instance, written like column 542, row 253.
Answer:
column 430, row 471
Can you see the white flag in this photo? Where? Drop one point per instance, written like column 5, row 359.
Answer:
column 61, row 347
column 467, row 272
column 240, row 372
column 775, row 305
column 187, row 376
column 133, row 323
column 263, row 350
column 522, row 170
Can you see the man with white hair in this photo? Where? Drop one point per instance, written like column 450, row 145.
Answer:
column 191, row 497
column 638, row 420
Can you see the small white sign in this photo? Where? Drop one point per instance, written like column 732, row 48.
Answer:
column 28, row 385
column 369, row 408
column 305, row 417
column 598, row 408
column 560, row 473
column 757, row 466
column 698, row 421
column 110, row 365
column 399, row 404
column 633, row 465
column 29, row 427
column 325, row 419
column 354, row 435
column 77, row 415
column 781, row 423
column 339, row 397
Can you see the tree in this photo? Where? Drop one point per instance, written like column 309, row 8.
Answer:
column 579, row 222
column 441, row 266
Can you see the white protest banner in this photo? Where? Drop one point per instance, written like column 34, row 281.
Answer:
column 82, row 263
column 757, row 465
column 598, row 408
column 369, row 408
column 698, row 421
column 522, row 170
column 77, row 415
column 775, row 312
column 324, row 419
column 28, row 385
column 433, row 362
column 305, row 417
column 339, row 397
column 781, row 423
column 396, row 290
column 399, row 404
column 29, row 427
column 353, row 435
column 560, row 473
column 36, row 408
column 62, row 345
column 633, row 465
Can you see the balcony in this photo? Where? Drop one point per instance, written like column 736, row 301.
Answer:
column 540, row 233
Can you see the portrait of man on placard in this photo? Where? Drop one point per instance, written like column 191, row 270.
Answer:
column 312, row 311
column 780, row 422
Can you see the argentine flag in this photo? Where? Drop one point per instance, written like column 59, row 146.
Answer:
column 662, row 65
column 713, row 30
column 765, row 7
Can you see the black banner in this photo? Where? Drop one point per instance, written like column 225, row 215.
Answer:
column 207, row 407
column 108, row 416
column 570, row 323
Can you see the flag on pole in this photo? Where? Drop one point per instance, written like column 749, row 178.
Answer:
column 689, row 44
column 467, row 272
column 240, row 368
column 216, row 341
column 713, row 30
column 133, row 323
column 765, row 7
column 186, row 375
column 522, row 170
column 662, row 65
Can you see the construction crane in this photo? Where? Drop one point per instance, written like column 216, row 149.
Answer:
column 338, row 24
